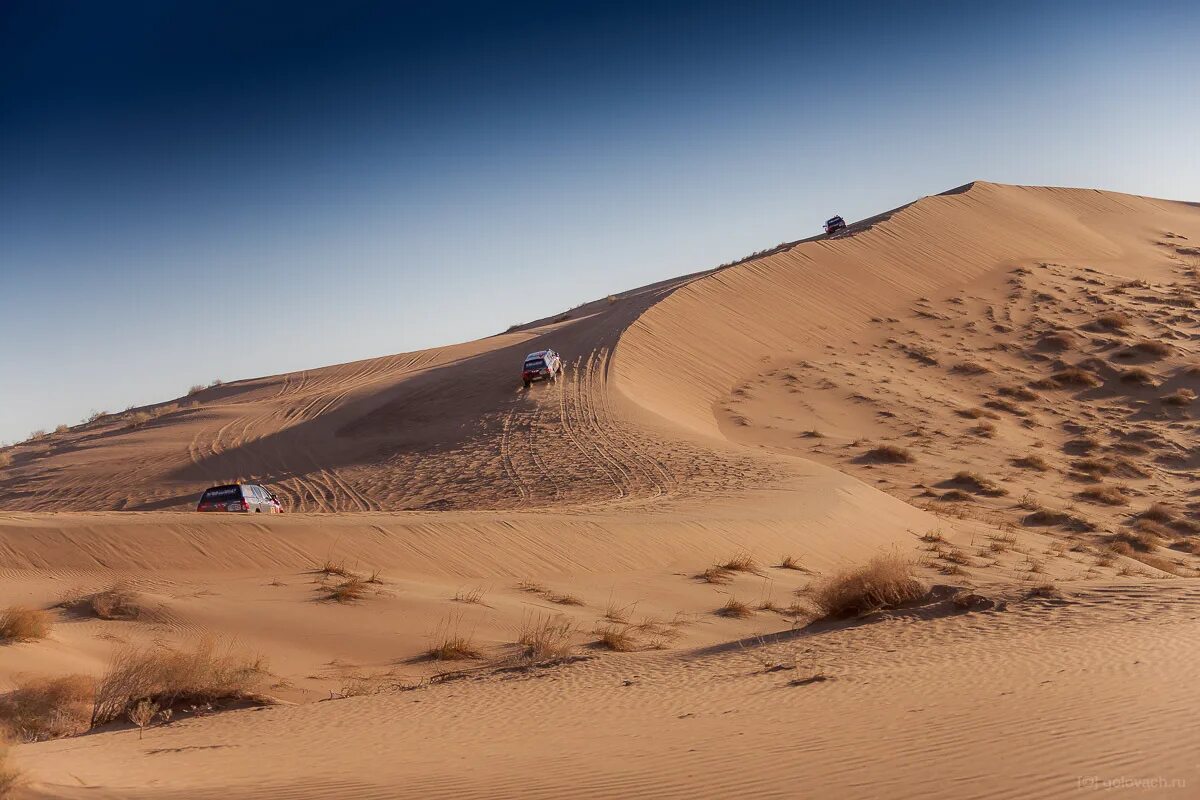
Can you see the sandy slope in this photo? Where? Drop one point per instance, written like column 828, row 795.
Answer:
column 723, row 413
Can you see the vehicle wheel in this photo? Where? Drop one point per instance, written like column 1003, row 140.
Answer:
column 526, row 384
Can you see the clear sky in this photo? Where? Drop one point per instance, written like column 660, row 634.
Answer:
column 192, row 190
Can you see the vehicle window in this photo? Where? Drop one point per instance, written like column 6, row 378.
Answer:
column 219, row 494
column 535, row 364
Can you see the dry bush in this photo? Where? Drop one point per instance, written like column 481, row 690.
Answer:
column 142, row 715
column 1017, row 393
column 1141, row 540
column 1057, row 341
column 616, row 638
column 1033, row 461
column 741, row 562
column 885, row 581
column 1180, row 397
column 137, row 419
column 61, row 429
column 10, row 778
column 350, row 590
column 47, row 708
column 1158, row 512
column 1111, row 321
column 564, row 599
column 985, row 429
column 5, row 459
column 21, row 624
column 976, row 413
column 1046, row 591
column 1157, row 562
column 735, row 608
column 117, row 602
column 889, row 454
column 1106, row 495
column 450, row 644
column 979, row 484
column 617, row 613
column 790, row 562
column 1074, row 376
column 546, row 638
column 170, row 677
column 531, row 586
column 933, row 537
column 1048, row 516
column 1152, row 348
column 970, row 368
column 195, row 388
column 954, row 556
column 956, row 496
column 1138, row 376
column 331, row 567
column 716, row 575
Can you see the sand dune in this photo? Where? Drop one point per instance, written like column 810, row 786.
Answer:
column 996, row 382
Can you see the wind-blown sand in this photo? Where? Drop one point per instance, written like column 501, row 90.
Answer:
column 1025, row 356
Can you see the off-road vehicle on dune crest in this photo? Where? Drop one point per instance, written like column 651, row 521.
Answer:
column 544, row 365
column 833, row 225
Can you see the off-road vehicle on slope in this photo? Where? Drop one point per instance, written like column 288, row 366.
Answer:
column 833, row 225
column 544, row 365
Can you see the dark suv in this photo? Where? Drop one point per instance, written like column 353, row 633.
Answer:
column 242, row 498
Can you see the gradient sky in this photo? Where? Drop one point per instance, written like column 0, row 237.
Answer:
column 191, row 190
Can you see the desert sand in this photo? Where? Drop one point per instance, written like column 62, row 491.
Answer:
column 995, row 384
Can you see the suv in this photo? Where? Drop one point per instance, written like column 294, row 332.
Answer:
column 833, row 225
column 544, row 365
column 240, row 497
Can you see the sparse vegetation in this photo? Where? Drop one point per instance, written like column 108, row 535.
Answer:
column 616, row 638
column 1138, row 376
column 883, row 582
column 1075, row 377
column 350, row 590
column 1032, row 461
column 450, row 643
column 790, row 562
column 1106, row 495
column 546, row 638
column 472, row 596
column 890, row 454
column 979, row 484
column 166, row 677
column 970, row 368
column 47, row 708
column 117, row 602
column 735, row 608
column 21, row 624
column 1111, row 321
column 142, row 715
column 984, row 429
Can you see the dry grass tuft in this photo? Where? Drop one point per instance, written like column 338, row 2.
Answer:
column 1034, row 462
column 970, row 368
column 979, row 484
column 1111, row 321
column 1158, row 512
column 976, row 413
column 1139, row 377
column 883, row 582
column 546, row 638
column 741, row 562
column 169, row 677
column 117, row 602
column 735, row 608
column 564, row 599
column 1152, row 348
column 48, row 708
column 716, row 575
column 616, row 638
column 617, row 613
column 331, row 567
column 1180, row 397
column 1018, row 393
column 1047, row 591
column 21, row 624
column 889, row 454
column 474, row 596
column 984, row 429
column 350, row 590
column 1106, row 495
column 790, row 562
column 1141, row 540
column 450, row 644
column 1074, row 376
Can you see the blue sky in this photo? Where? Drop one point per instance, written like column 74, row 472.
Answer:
column 200, row 190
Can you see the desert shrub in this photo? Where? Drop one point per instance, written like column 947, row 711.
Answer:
column 1112, row 321
column 350, row 590
column 61, row 429
column 1074, row 376
column 890, row 454
column 196, row 388
column 137, row 419
column 1138, row 376
column 1000, row 404
column 1143, row 540
column 1033, row 461
column 169, row 677
column 740, row 562
column 1158, row 512
column 5, row 459
column 1047, row 591
column 979, row 484
column 1106, row 495
column 47, row 708
column 984, row 429
column 1180, row 397
column 546, row 638
column 21, row 624
column 1049, row 516
column 117, row 602
column 976, row 413
column 735, row 608
column 1057, row 341
column 883, row 582
column 473, row 596
column 956, row 496
column 10, row 777
column 450, row 643
column 790, row 562
column 1152, row 348
column 1018, row 393
column 616, row 638
column 970, row 368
